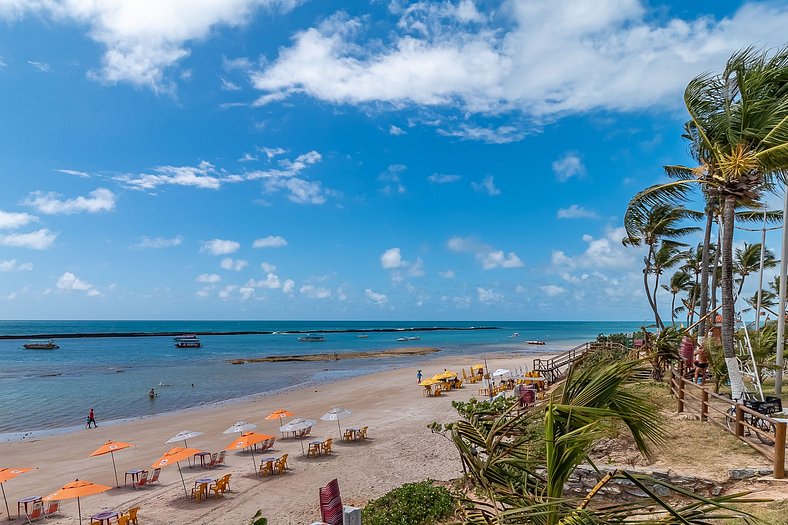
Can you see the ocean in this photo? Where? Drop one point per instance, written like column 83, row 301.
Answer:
column 43, row 390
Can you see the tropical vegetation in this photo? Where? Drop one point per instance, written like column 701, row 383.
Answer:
column 422, row 503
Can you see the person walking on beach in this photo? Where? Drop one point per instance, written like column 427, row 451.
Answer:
column 91, row 419
column 418, row 376
column 701, row 364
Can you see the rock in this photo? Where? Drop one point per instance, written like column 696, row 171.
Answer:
column 637, row 493
column 765, row 471
column 661, row 491
column 716, row 490
column 741, row 473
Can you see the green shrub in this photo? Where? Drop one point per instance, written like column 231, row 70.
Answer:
column 419, row 503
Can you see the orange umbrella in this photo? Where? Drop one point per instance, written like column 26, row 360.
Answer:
column 279, row 414
column 109, row 448
column 78, row 489
column 248, row 439
column 7, row 474
column 174, row 455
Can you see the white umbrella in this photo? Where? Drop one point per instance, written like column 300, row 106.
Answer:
column 335, row 414
column 500, row 372
column 296, row 425
column 240, row 426
column 183, row 435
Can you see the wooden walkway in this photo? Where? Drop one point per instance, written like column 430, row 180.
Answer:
column 555, row 368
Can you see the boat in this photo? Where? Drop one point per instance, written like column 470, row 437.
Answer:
column 363, row 336
column 402, row 339
column 187, row 341
column 535, row 342
column 41, row 345
column 516, row 334
column 414, row 338
column 311, row 338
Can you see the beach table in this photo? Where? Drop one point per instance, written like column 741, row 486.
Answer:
column 202, row 456
column 134, row 474
column 209, row 481
column 104, row 517
column 317, row 445
column 30, row 500
column 269, row 465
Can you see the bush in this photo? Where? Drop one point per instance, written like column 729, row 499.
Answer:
column 419, row 503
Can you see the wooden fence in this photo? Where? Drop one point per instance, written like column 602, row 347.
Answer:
column 750, row 426
column 555, row 368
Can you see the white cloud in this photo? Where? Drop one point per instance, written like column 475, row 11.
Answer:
column 208, row 278
column 271, row 282
column 552, row 290
column 41, row 66
column 2, row 63
column 233, row 264
column 391, row 258
column 315, row 292
column 393, row 182
column 143, row 41
column 220, row 247
column 378, row 298
column 448, row 274
column 576, row 212
column 225, row 292
column 99, row 200
column 247, row 158
column 12, row 266
column 605, row 252
column 440, row 178
column 268, row 267
column 568, row 166
column 394, row 130
column 499, row 135
column 272, row 241
column 488, row 256
column 229, row 85
column 76, row 173
column 158, row 242
column 273, row 152
column 37, row 240
column 615, row 55
column 288, row 287
column 70, row 282
column 487, row 185
column 204, row 176
column 12, row 220
column 488, row 295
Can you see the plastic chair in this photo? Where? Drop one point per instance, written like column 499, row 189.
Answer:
column 348, row 436
column 142, row 482
column 155, row 477
column 325, row 447
column 314, row 449
column 133, row 515
column 36, row 512
column 53, row 507
column 226, row 482
column 266, row 467
column 123, row 520
column 200, row 492
column 217, row 489
column 362, row 434
column 281, row 465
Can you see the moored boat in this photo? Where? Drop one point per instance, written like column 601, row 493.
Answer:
column 536, row 342
column 187, row 341
column 311, row 338
column 41, row 345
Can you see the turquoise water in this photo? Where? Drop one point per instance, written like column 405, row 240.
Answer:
column 54, row 389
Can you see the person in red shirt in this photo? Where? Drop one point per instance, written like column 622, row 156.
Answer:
column 91, row 419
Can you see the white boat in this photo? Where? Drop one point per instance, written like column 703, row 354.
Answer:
column 414, row 338
column 312, row 338
column 536, row 342
column 516, row 334
column 41, row 345
column 402, row 339
column 363, row 336
column 187, row 341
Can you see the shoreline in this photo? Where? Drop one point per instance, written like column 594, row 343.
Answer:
column 39, row 434
column 339, row 356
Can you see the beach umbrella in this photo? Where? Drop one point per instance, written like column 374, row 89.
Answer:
column 335, row 414
column 240, row 426
column 175, row 455
column 279, row 414
column 78, row 489
column 110, row 447
column 247, row 440
column 429, row 381
column 7, row 474
column 183, row 435
column 297, row 425
column 500, row 372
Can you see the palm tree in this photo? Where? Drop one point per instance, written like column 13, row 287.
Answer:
column 747, row 260
column 650, row 225
column 740, row 121
column 679, row 282
column 520, row 462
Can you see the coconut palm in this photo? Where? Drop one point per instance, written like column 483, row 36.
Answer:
column 648, row 226
column 747, row 260
column 740, row 121
column 520, row 475
column 679, row 282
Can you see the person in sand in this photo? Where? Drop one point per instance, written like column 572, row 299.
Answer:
column 91, row 420
column 418, row 376
column 701, row 363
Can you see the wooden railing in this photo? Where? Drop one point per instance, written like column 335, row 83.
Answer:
column 555, row 368
column 743, row 422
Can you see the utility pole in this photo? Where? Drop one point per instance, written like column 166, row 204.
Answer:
column 778, row 377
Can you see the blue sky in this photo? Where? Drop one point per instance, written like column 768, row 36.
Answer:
column 287, row 159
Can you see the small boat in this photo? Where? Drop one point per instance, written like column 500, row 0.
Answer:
column 402, row 339
column 187, row 341
column 41, row 345
column 535, row 342
column 414, row 338
column 363, row 336
column 312, row 338
column 516, row 334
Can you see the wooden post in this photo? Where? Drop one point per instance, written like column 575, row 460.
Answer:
column 704, row 404
column 779, row 450
column 680, row 397
column 739, row 419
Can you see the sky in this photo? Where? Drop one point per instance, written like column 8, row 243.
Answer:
column 294, row 159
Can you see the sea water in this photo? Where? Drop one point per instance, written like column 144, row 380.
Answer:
column 49, row 389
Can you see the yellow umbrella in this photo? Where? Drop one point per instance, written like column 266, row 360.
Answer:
column 429, row 381
column 248, row 439
column 7, row 474
column 110, row 447
column 78, row 489
column 174, row 455
column 477, row 367
column 445, row 375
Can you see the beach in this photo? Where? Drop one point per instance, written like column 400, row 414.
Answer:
column 400, row 449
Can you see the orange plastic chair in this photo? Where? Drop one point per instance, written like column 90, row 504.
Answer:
column 281, row 465
column 123, row 520
column 226, row 483
column 133, row 515
column 326, row 446
column 200, row 492
column 314, row 450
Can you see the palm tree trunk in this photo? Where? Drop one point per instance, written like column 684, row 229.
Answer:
column 657, row 317
column 704, row 274
column 714, row 279
column 728, row 311
column 646, row 271
column 673, row 309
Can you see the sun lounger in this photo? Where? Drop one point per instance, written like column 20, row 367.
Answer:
column 155, row 477
column 142, row 481
column 53, row 507
column 220, row 458
column 36, row 512
column 212, row 462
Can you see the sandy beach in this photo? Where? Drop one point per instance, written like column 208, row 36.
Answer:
column 400, row 449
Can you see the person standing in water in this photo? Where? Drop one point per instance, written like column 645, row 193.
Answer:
column 91, row 419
